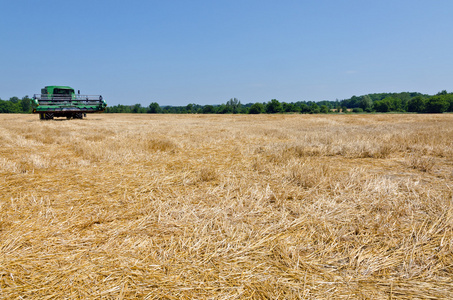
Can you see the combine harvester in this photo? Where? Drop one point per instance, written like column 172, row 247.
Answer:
column 62, row 101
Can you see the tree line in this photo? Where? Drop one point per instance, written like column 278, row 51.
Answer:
column 378, row 102
column 15, row 105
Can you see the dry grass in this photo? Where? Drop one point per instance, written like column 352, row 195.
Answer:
column 227, row 207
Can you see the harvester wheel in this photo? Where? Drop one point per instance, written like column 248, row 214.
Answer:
column 49, row 116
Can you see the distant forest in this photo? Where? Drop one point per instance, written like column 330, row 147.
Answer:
column 370, row 103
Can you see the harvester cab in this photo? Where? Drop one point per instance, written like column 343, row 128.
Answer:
column 62, row 101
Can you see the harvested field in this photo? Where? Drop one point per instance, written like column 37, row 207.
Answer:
column 227, row 207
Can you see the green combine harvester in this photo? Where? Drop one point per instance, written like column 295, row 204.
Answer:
column 62, row 101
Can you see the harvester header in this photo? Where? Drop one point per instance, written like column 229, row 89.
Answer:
column 62, row 101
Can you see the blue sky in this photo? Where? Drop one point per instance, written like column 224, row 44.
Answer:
column 176, row 52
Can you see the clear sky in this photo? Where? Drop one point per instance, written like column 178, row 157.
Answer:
column 176, row 52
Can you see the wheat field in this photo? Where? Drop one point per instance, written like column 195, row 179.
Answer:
column 120, row 206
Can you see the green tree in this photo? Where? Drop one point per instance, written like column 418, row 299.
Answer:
column 223, row 109
column 208, row 109
column 304, row 108
column 154, row 108
column 256, row 108
column 123, row 109
column 353, row 102
column 396, row 104
column 382, row 106
column 366, row 103
column 385, row 105
column 234, row 105
column 137, row 108
column 450, row 101
column 405, row 98
column 416, row 104
column 314, row 108
column 9, row 107
column 289, row 107
column 14, row 100
column 437, row 104
column 324, row 109
column 25, row 103
column 274, row 106
column 189, row 108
